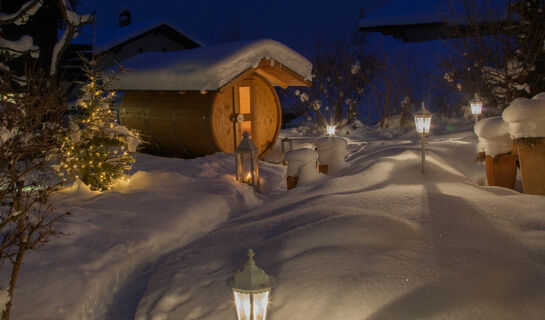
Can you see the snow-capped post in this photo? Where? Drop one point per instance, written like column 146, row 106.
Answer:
column 331, row 152
column 476, row 106
column 251, row 288
column 422, row 121
column 247, row 162
column 286, row 144
column 526, row 121
column 302, row 167
column 495, row 142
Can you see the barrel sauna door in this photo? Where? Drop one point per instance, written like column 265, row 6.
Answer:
column 250, row 105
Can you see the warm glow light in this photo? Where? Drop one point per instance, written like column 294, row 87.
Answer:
column 422, row 124
column 242, row 305
column 476, row 105
column 249, row 177
column 261, row 300
column 422, row 120
column 330, row 130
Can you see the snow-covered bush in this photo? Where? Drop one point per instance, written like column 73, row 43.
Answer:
column 341, row 75
column 501, row 54
column 98, row 149
column 31, row 123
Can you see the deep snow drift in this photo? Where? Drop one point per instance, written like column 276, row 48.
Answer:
column 378, row 240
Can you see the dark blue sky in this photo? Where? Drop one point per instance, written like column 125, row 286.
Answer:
column 297, row 23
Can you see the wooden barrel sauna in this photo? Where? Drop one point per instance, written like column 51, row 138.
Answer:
column 191, row 123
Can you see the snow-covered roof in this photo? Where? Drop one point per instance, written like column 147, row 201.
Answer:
column 207, row 68
column 109, row 37
column 402, row 12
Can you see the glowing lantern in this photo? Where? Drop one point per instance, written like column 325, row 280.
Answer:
column 422, row 121
column 251, row 287
column 247, row 164
column 330, row 130
column 285, row 145
column 476, row 105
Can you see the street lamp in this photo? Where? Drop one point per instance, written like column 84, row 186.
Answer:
column 251, row 287
column 422, row 121
column 247, row 162
column 476, row 106
column 286, row 145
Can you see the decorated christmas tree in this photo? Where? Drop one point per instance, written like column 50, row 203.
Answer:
column 98, row 151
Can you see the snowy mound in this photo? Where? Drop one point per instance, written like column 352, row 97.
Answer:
column 526, row 117
column 206, row 68
column 493, row 136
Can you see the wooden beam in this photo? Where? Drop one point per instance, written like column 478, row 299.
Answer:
column 271, row 78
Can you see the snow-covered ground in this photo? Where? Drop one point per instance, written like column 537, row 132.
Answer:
column 378, row 240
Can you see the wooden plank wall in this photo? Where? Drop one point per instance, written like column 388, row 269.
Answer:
column 176, row 123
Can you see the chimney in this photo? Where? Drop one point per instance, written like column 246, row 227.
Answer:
column 124, row 17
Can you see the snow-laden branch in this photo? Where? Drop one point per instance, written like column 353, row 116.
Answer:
column 73, row 22
column 18, row 47
column 22, row 15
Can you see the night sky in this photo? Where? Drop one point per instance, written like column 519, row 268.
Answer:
column 296, row 23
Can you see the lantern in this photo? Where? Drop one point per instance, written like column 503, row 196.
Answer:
column 422, row 121
column 476, row 106
column 251, row 287
column 285, row 145
column 247, row 164
column 330, row 130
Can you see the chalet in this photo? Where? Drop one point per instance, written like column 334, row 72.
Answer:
column 426, row 20
column 115, row 44
column 196, row 102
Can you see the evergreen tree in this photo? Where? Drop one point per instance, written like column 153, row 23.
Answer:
column 98, row 150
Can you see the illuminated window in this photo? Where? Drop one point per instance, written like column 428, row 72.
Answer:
column 245, row 108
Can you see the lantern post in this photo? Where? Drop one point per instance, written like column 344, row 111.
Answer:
column 422, row 121
column 247, row 162
column 251, row 288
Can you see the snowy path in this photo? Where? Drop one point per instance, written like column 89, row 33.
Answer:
column 378, row 241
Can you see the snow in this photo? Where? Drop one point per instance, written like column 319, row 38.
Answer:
column 18, row 47
column 302, row 164
column 205, row 68
column 378, row 240
column 493, row 136
column 526, row 117
column 331, row 151
column 29, row 8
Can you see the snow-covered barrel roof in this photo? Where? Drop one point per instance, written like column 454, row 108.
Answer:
column 211, row 67
column 526, row 117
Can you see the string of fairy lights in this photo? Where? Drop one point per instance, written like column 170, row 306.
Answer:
column 94, row 152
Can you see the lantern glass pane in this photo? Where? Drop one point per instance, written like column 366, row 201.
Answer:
column 330, row 130
column 261, row 300
column 476, row 107
column 242, row 305
column 422, row 124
